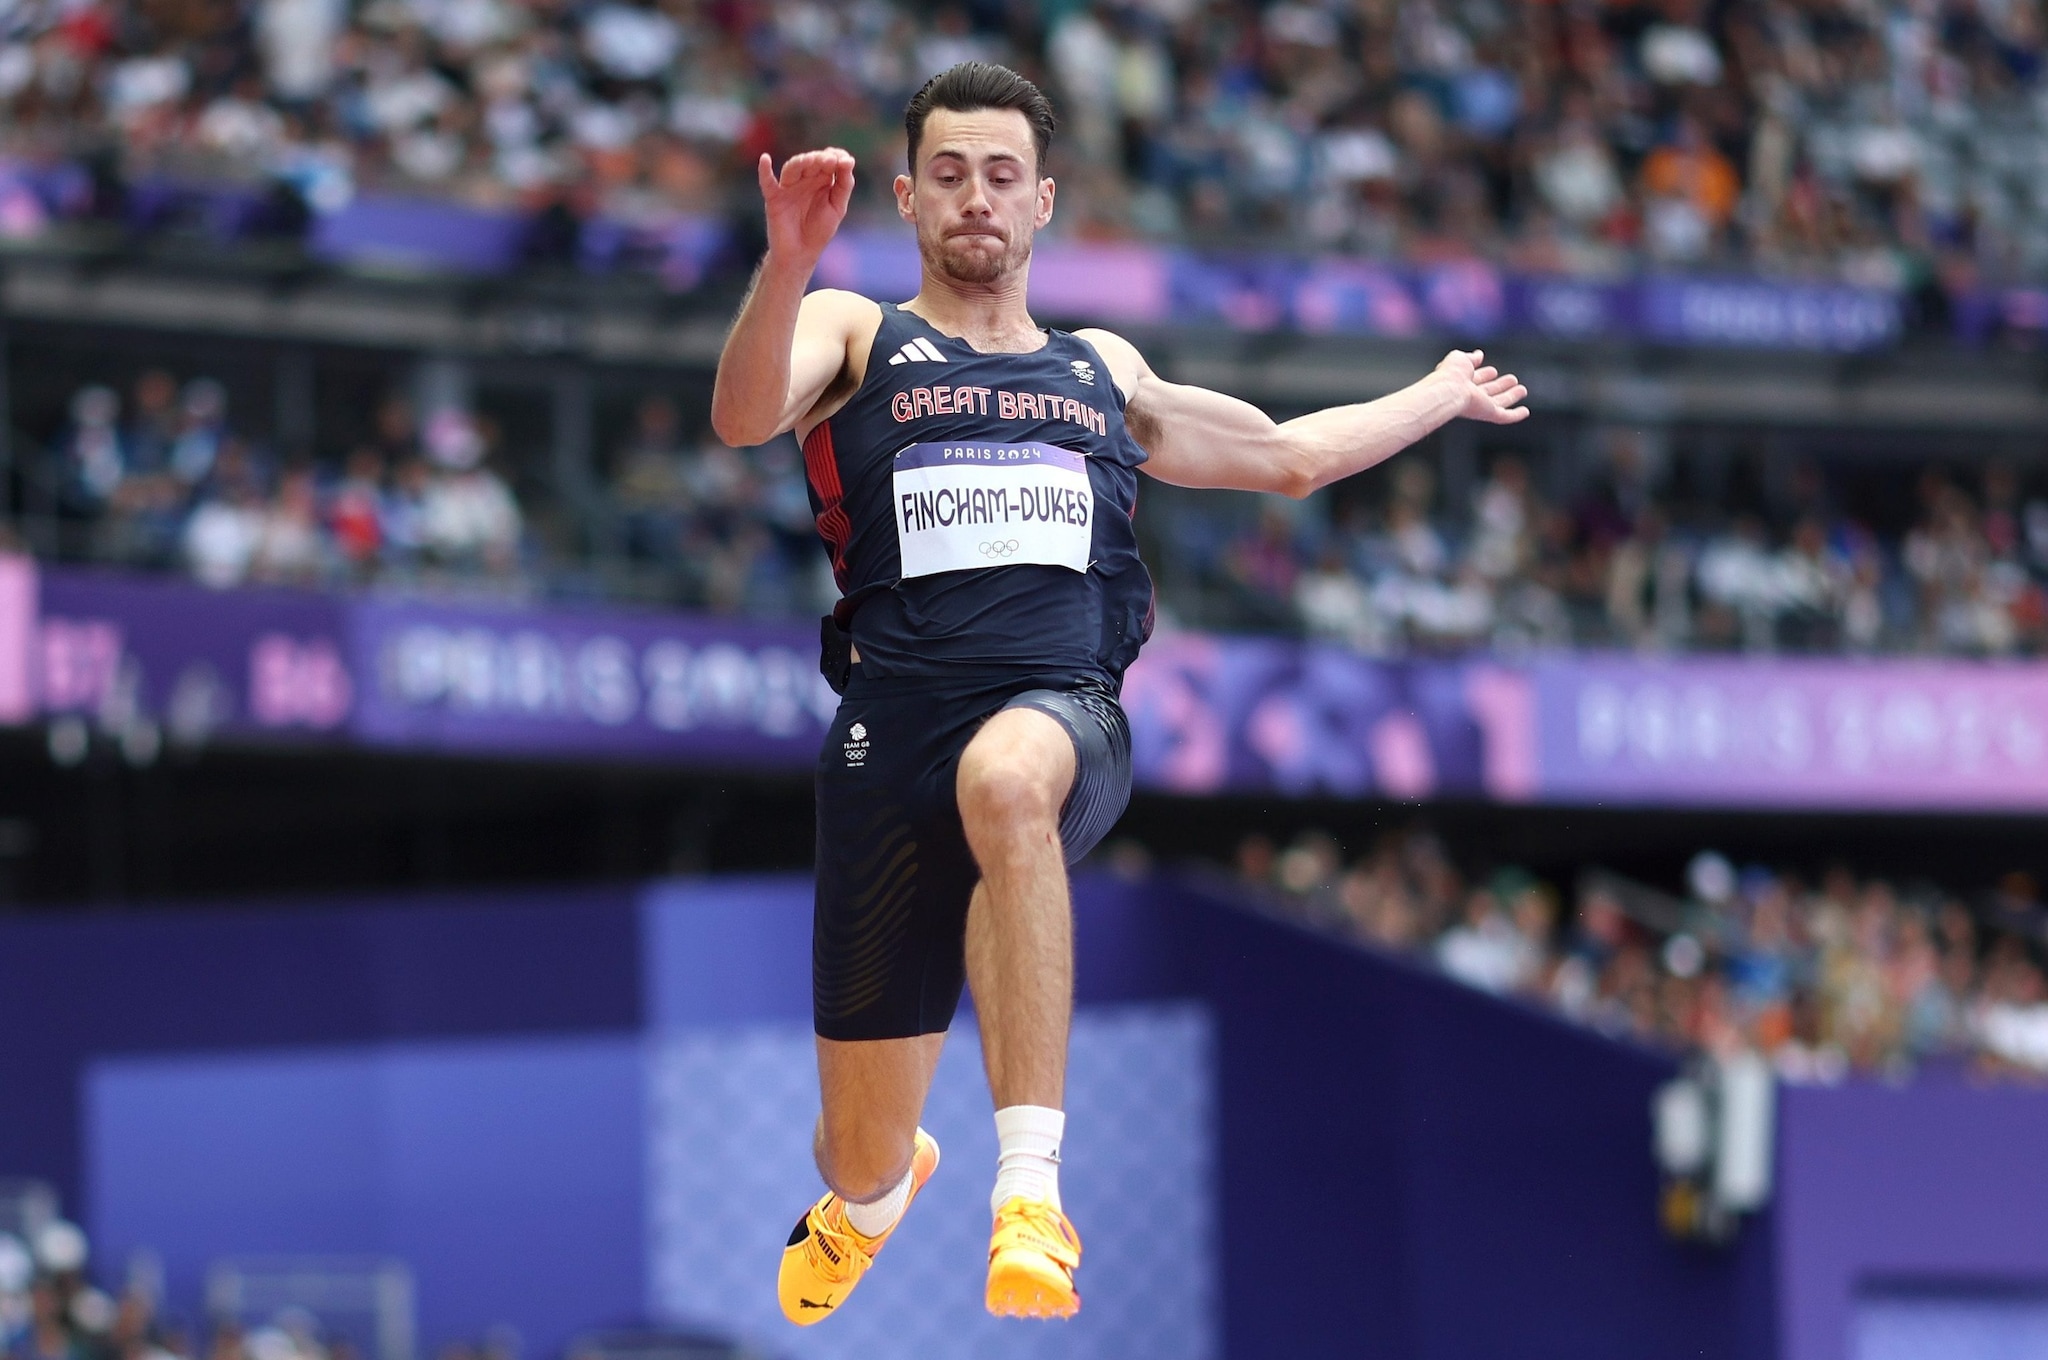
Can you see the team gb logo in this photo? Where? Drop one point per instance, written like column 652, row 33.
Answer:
column 1084, row 371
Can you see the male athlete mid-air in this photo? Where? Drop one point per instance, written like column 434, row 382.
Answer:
column 974, row 477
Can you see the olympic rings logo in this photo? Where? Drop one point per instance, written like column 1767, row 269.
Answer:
column 1002, row 547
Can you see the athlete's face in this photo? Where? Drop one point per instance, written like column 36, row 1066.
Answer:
column 977, row 197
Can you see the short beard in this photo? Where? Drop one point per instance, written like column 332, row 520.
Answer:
column 973, row 266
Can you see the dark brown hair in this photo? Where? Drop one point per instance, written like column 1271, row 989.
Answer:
column 976, row 85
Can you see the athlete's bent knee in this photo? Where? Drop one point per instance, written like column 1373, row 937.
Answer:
column 863, row 1168
column 1003, row 792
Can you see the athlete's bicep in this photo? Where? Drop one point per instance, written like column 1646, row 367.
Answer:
column 1198, row 438
column 826, row 323
column 1193, row 436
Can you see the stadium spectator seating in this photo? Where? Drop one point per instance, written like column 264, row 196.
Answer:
column 1829, row 977
column 1391, row 563
column 1889, row 144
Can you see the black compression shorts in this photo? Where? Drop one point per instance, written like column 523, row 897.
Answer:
column 888, row 938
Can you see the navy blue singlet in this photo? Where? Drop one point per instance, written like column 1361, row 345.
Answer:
column 951, row 457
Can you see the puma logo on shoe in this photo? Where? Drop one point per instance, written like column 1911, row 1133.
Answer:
column 826, row 1258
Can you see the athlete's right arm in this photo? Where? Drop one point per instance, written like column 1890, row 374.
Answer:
column 786, row 348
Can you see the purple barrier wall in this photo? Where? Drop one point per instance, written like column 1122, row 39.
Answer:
column 1408, row 1169
column 1933, row 1188
column 507, row 1172
column 1417, row 1171
column 1208, row 714
column 328, row 971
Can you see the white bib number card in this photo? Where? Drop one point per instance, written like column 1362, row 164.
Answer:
column 964, row 506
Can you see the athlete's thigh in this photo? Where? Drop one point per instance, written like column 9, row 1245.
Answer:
column 893, row 871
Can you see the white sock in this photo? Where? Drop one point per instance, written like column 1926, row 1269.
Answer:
column 1028, row 1156
column 877, row 1216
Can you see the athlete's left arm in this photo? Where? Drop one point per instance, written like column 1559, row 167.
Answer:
column 1196, row 437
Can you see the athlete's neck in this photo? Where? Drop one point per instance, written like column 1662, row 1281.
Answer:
column 992, row 317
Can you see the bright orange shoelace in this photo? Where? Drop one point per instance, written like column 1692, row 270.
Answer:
column 844, row 1244
column 1044, row 1221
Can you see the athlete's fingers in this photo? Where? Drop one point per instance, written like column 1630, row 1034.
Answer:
column 1485, row 375
column 817, row 187
column 826, row 172
column 766, row 170
column 822, row 164
column 842, row 189
column 1495, row 386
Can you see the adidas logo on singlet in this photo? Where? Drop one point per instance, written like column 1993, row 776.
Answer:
column 918, row 351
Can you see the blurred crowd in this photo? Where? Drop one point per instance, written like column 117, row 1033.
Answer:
column 724, row 529
column 1628, row 562
column 1826, row 977
column 1888, row 142
column 52, row 1309
column 165, row 478
column 1882, row 143
column 162, row 477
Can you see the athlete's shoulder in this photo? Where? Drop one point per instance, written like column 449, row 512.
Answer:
column 843, row 323
column 1126, row 365
column 837, row 306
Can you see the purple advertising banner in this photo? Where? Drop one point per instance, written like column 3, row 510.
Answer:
column 1209, row 715
column 1216, row 715
column 596, row 683
column 1355, row 296
column 1108, row 282
column 1818, row 734
column 197, row 662
column 1767, row 314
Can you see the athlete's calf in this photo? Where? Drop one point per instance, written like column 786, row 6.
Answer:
column 873, row 1092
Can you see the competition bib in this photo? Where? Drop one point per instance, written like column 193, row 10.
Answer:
column 960, row 506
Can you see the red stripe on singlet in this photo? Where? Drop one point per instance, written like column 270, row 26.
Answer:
column 821, row 465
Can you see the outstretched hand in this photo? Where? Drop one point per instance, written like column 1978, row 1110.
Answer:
column 807, row 202
column 1490, row 395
